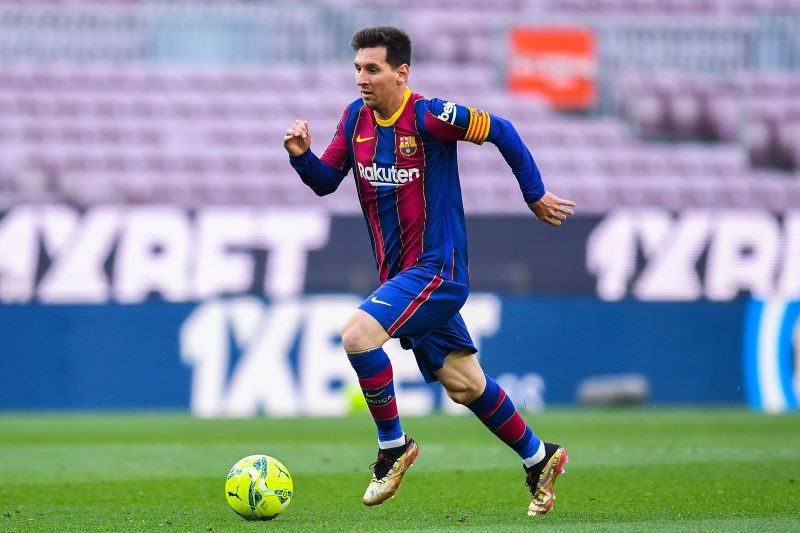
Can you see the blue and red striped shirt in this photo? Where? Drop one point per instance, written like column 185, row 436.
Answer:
column 406, row 174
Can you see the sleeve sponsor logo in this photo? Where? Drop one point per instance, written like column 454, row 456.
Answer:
column 448, row 113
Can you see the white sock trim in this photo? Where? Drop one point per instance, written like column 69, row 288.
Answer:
column 385, row 444
column 535, row 458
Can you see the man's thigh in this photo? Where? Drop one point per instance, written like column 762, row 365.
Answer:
column 415, row 302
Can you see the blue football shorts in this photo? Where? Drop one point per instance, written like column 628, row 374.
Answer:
column 420, row 308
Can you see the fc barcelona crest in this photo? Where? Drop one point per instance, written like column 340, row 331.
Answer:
column 407, row 145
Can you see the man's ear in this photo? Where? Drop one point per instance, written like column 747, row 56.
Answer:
column 402, row 74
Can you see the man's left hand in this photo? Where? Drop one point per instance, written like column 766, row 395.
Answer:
column 552, row 209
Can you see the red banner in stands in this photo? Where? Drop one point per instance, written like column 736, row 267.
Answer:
column 558, row 64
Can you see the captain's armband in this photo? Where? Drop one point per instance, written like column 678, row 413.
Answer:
column 478, row 129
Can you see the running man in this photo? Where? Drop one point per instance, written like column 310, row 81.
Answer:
column 402, row 150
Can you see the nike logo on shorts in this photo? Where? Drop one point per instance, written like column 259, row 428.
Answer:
column 376, row 301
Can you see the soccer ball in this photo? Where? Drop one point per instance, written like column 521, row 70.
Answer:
column 259, row 487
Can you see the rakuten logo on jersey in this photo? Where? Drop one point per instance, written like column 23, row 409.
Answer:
column 387, row 176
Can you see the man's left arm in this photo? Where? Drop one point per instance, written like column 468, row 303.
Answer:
column 545, row 205
column 450, row 122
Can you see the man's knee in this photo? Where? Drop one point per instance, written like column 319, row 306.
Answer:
column 354, row 338
column 464, row 392
column 362, row 332
column 462, row 377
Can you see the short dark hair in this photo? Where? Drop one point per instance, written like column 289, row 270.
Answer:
column 396, row 41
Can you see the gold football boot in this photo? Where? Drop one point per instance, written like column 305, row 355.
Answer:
column 541, row 480
column 388, row 471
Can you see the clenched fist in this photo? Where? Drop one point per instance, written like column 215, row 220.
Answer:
column 297, row 139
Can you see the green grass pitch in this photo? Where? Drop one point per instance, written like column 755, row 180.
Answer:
column 646, row 469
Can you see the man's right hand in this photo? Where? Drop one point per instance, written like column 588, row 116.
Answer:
column 297, row 139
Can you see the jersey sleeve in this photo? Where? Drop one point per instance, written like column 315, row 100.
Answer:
column 336, row 154
column 324, row 175
column 503, row 135
column 450, row 122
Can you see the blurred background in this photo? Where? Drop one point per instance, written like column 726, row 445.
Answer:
column 158, row 251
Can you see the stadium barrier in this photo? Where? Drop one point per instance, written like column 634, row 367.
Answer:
column 131, row 254
column 236, row 311
column 244, row 355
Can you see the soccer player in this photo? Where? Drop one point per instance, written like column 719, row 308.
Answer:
column 402, row 150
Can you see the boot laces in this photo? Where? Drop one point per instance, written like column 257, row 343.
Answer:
column 382, row 466
column 532, row 479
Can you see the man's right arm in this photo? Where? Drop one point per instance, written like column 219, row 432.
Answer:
column 319, row 176
column 324, row 175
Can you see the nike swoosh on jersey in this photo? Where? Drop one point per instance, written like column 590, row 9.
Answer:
column 376, row 301
column 360, row 139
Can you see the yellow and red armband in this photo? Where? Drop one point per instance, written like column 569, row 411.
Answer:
column 478, row 129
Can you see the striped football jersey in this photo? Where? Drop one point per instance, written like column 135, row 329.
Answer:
column 406, row 174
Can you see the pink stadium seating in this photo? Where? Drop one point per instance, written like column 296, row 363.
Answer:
column 139, row 135
column 133, row 132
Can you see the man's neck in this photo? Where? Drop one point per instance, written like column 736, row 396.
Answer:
column 393, row 106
